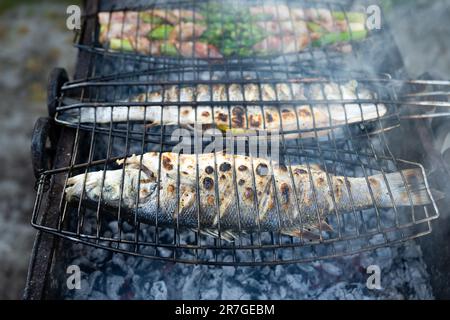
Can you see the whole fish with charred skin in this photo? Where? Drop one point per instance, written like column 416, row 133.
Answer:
column 298, row 115
column 238, row 194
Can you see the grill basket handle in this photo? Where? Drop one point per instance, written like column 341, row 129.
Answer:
column 42, row 145
column 44, row 133
column 57, row 78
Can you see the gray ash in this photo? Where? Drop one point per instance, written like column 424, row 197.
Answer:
column 108, row 275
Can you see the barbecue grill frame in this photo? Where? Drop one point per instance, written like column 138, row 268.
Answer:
column 46, row 245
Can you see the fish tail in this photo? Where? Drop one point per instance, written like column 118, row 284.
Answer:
column 408, row 187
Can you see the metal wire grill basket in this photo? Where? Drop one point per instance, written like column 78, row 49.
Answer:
column 359, row 149
column 244, row 32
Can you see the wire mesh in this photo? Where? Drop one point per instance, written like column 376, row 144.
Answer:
column 348, row 150
column 129, row 85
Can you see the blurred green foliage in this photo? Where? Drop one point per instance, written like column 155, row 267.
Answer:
column 5, row 5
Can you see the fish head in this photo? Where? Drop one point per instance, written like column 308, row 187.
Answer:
column 126, row 187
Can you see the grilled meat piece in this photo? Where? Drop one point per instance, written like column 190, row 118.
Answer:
column 240, row 32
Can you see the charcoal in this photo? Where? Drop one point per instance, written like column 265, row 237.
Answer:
column 113, row 286
column 83, row 292
column 231, row 291
column 384, row 258
column 295, row 282
column 265, row 271
column 139, row 290
column 306, row 267
column 127, row 227
column 95, row 279
column 229, row 271
column 84, row 263
column 191, row 286
column 209, row 294
column 405, row 278
column 114, row 227
column 99, row 256
column 159, row 291
column 119, row 265
column 253, row 285
column 344, row 291
column 411, row 251
column 97, row 295
column 163, row 252
column 367, row 260
column 118, row 276
column 126, row 247
column 262, row 296
column 131, row 262
column 331, row 269
column 278, row 271
column 377, row 239
column 283, row 292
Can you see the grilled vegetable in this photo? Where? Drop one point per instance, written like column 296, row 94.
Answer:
column 168, row 49
column 314, row 27
column 349, row 16
column 337, row 37
column 233, row 32
column 161, row 32
column 241, row 194
column 148, row 17
column 120, row 44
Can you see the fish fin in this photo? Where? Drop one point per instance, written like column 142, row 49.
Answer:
column 186, row 126
column 303, row 234
column 414, row 189
column 183, row 180
column 324, row 226
column 150, row 125
column 312, row 232
column 132, row 160
column 73, row 116
column 226, row 235
column 266, row 202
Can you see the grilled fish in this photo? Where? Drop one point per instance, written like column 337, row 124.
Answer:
column 294, row 116
column 235, row 193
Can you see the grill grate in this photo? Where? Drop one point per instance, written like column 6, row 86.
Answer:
column 350, row 150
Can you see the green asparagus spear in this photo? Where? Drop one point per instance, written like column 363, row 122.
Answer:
column 351, row 16
column 168, row 49
column 336, row 37
column 315, row 27
column 147, row 17
column 161, row 32
column 120, row 44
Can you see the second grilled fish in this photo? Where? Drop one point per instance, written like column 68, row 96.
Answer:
column 296, row 114
column 241, row 194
